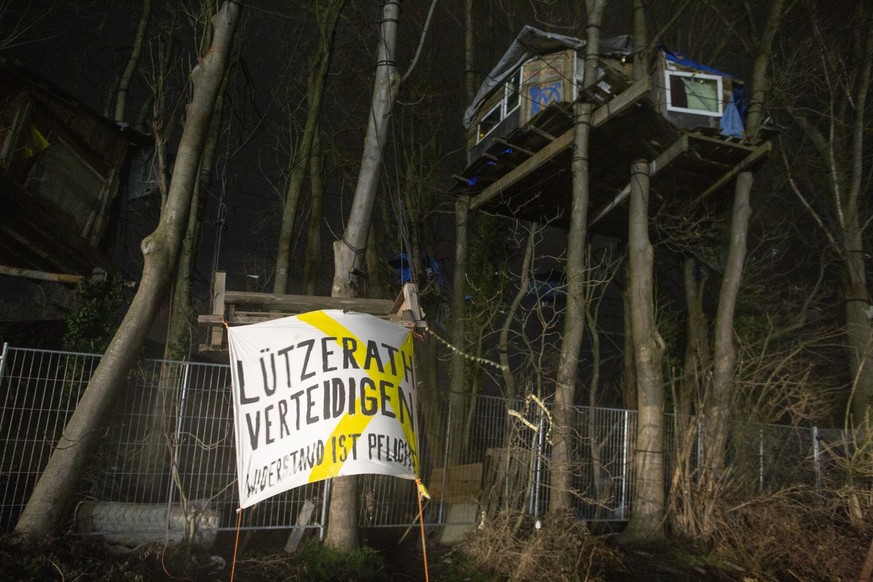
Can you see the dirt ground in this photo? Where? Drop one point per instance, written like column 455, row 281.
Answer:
column 262, row 558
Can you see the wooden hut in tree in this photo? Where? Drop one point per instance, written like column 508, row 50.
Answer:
column 62, row 167
column 683, row 117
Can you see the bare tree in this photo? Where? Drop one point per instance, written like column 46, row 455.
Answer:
column 328, row 16
column 574, row 318
column 132, row 63
column 57, row 484
column 828, row 98
column 647, row 518
column 717, row 402
column 349, row 251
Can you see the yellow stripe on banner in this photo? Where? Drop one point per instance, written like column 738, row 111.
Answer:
column 357, row 423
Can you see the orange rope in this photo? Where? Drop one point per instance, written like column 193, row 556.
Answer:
column 239, row 513
column 421, row 521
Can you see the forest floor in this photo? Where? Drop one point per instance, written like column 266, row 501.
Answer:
column 77, row 559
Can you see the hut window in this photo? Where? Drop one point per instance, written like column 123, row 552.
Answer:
column 490, row 120
column 509, row 103
column 694, row 93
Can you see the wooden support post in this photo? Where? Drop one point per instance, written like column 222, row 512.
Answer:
column 216, row 333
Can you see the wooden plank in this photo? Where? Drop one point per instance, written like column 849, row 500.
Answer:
column 624, row 100
column 40, row 275
column 601, row 115
column 406, row 305
column 505, row 142
column 542, row 157
column 216, row 333
column 457, row 483
column 758, row 153
column 678, row 147
column 305, row 303
column 243, row 307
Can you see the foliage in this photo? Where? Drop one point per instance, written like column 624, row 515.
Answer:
column 100, row 309
column 315, row 562
column 823, row 546
column 512, row 546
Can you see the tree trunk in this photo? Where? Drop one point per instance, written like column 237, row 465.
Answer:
column 458, row 364
column 859, row 332
column 57, row 484
column 180, row 340
column 760, row 80
column 629, row 387
column 717, row 403
column 574, row 316
column 348, row 252
column 316, row 214
column 328, row 19
column 342, row 532
column 510, row 390
column 647, row 518
column 132, row 62
column 696, row 344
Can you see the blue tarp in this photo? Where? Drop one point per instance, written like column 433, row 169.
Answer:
column 684, row 61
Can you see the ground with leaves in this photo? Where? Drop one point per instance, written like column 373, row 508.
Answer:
column 759, row 544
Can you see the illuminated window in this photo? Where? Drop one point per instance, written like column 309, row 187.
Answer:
column 694, row 93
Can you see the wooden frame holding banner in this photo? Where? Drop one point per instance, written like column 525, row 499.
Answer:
column 244, row 307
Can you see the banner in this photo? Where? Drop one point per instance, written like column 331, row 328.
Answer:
column 319, row 395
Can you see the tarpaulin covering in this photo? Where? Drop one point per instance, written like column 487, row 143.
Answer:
column 532, row 42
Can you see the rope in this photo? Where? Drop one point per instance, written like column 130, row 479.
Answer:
column 239, row 513
column 468, row 356
column 421, row 521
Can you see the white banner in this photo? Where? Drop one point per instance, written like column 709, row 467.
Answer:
column 319, row 395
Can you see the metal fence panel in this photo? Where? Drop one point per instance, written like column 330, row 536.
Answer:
column 38, row 393
column 170, row 444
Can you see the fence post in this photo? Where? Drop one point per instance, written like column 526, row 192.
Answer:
column 624, row 455
column 180, row 419
column 761, row 459
column 446, row 444
column 3, row 359
column 325, row 504
column 534, row 507
column 816, row 457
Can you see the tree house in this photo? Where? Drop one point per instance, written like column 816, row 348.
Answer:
column 62, row 169
column 684, row 118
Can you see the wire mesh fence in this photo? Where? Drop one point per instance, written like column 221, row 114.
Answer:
column 169, row 451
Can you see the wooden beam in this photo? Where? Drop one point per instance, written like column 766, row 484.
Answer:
column 542, row 157
column 601, row 115
column 406, row 305
column 678, row 147
column 624, row 100
column 544, row 133
column 305, row 303
column 40, row 275
column 229, row 307
column 761, row 151
column 216, row 333
column 502, row 141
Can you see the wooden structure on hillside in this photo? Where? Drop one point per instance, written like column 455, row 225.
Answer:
column 684, row 118
column 62, row 167
column 245, row 307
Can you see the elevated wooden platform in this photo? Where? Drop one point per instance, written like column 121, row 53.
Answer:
column 527, row 175
column 244, row 307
